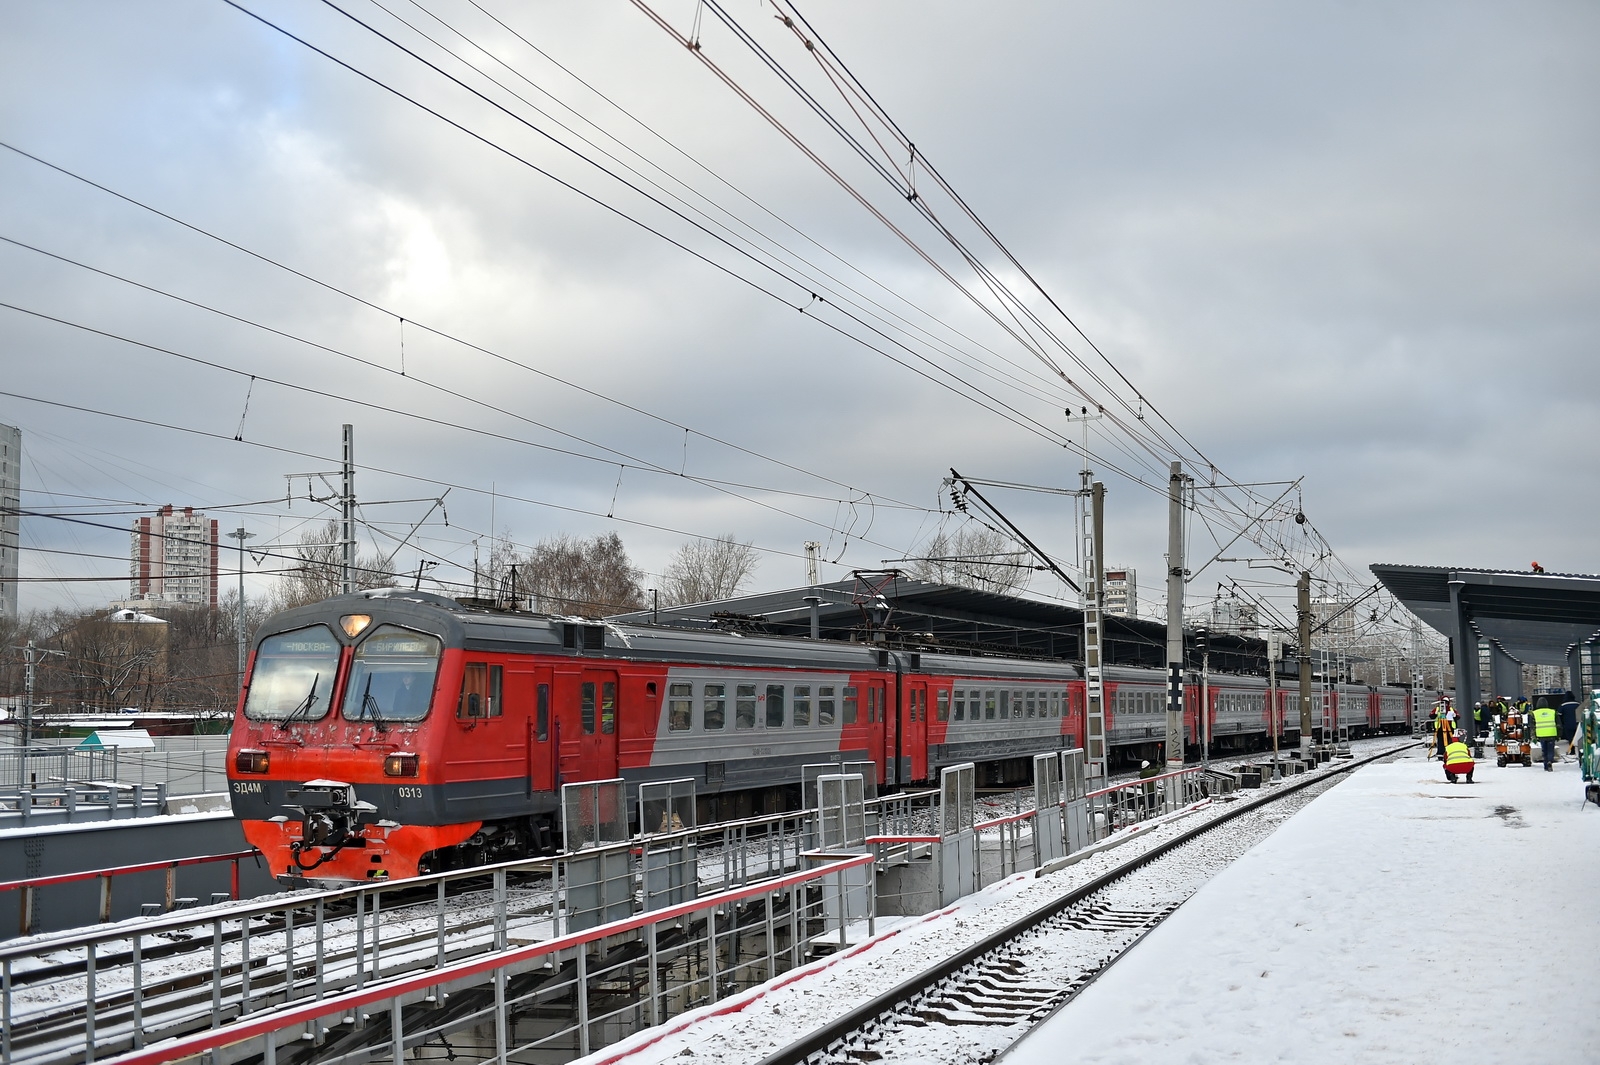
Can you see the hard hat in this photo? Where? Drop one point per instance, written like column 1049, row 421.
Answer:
column 1145, row 764
column 1459, row 734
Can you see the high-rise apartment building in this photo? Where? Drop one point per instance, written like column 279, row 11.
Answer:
column 174, row 559
column 10, row 519
column 1122, row 592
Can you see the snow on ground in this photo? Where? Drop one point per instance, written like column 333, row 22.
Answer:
column 748, row 1027
column 1397, row 919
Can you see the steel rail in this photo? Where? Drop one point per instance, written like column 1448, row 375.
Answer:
column 862, row 1016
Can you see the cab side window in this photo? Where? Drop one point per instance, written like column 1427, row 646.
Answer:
column 481, row 685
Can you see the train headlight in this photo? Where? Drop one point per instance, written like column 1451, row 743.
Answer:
column 400, row 765
column 354, row 624
column 248, row 761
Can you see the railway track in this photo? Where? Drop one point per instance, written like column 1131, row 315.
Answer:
column 976, row 1003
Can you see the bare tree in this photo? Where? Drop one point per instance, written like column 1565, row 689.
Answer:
column 569, row 575
column 705, row 570
column 317, row 576
column 976, row 556
column 108, row 663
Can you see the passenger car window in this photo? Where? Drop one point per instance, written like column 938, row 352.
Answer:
column 715, row 706
column 774, row 705
column 680, row 706
column 850, row 706
column 802, row 705
column 744, row 706
column 825, row 704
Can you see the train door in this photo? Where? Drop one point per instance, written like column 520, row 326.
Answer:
column 881, row 719
column 529, row 697
column 586, row 725
column 914, row 729
column 597, row 723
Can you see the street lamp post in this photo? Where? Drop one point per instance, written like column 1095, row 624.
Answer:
column 240, row 535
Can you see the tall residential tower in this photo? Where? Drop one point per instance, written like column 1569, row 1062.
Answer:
column 174, row 559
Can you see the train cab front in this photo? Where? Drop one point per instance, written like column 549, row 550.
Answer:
column 330, row 754
column 328, row 835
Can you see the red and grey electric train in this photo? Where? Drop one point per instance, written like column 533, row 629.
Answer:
column 393, row 732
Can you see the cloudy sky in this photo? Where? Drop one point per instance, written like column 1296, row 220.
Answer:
column 544, row 256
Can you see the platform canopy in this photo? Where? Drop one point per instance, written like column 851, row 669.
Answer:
column 1536, row 618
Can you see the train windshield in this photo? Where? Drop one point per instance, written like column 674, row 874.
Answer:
column 293, row 676
column 391, row 676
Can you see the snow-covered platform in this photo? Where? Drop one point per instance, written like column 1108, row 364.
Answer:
column 1398, row 918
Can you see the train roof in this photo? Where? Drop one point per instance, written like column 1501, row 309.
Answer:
column 722, row 639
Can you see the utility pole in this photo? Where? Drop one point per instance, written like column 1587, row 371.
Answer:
column 27, row 698
column 30, row 654
column 1081, row 518
column 240, row 535
column 1175, row 574
column 1093, row 613
column 1203, row 638
column 347, row 515
column 1303, row 603
column 1274, row 652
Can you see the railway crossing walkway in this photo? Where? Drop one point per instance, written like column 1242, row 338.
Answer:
column 1397, row 919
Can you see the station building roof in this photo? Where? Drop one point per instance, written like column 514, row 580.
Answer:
column 1536, row 618
column 951, row 618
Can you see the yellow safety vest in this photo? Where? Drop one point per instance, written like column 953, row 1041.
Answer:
column 1544, row 723
column 1457, row 754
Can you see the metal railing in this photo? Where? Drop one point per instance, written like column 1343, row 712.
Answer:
column 185, row 765
column 267, row 953
column 107, row 877
column 924, row 870
column 26, row 767
column 70, row 804
column 1121, row 805
column 567, row 995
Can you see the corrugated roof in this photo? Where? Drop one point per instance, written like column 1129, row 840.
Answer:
column 949, row 617
column 1534, row 617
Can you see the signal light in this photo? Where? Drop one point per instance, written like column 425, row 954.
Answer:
column 248, row 761
column 400, row 765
